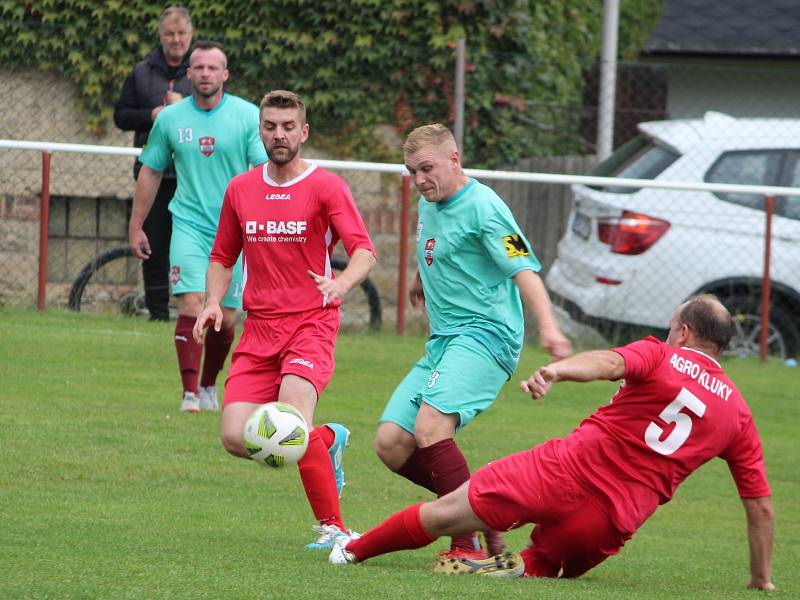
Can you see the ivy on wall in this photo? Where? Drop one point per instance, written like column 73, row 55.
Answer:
column 357, row 64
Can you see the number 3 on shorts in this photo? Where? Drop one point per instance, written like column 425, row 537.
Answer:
column 683, row 423
column 432, row 380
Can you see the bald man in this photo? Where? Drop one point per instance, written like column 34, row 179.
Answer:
column 589, row 492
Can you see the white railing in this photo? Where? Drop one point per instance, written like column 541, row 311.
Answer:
column 762, row 190
column 769, row 193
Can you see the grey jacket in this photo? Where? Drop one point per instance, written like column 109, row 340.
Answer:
column 143, row 90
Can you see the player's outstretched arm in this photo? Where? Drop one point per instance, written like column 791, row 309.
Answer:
column 218, row 280
column 583, row 367
column 143, row 195
column 535, row 296
column 760, row 525
column 358, row 267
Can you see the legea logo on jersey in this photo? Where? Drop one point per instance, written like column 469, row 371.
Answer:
column 206, row 145
column 278, row 197
column 302, row 361
column 429, row 251
column 419, row 230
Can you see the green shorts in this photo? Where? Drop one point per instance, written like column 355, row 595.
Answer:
column 457, row 375
column 189, row 253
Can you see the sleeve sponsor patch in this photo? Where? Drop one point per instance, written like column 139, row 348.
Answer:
column 515, row 246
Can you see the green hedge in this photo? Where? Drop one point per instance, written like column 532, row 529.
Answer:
column 358, row 64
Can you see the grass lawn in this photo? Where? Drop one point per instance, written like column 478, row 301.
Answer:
column 107, row 491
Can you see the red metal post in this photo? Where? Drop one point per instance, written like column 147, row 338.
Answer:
column 44, row 227
column 405, row 195
column 766, row 285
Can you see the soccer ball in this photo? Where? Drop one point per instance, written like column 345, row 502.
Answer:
column 276, row 434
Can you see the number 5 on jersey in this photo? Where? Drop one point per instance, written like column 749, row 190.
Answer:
column 683, row 423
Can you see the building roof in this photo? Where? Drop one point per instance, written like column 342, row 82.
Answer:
column 727, row 27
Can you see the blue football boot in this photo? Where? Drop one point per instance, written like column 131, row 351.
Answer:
column 341, row 441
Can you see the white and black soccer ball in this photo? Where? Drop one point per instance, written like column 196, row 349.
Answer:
column 276, row 434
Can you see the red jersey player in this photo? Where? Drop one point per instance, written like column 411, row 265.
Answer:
column 590, row 491
column 286, row 216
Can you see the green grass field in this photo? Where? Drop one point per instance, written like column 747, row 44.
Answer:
column 106, row 491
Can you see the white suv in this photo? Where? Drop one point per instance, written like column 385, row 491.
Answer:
column 630, row 256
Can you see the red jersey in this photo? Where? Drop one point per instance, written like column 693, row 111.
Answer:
column 284, row 230
column 675, row 410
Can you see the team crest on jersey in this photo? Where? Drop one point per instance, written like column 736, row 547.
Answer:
column 429, row 251
column 515, row 246
column 206, row 145
column 175, row 275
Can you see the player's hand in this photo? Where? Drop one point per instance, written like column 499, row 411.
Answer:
column 416, row 294
column 538, row 384
column 556, row 345
column 331, row 289
column 172, row 97
column 139, row 243
column 212, row 313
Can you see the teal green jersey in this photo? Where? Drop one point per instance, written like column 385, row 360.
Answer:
column 209, row 147
column 469, row 247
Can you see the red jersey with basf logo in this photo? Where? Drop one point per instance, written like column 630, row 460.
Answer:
column 285, row 230
column 675, row 410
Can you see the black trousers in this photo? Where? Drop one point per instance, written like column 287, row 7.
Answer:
column 155, row 270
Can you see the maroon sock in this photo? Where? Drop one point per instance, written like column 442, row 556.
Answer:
column 402, row 531
column 416, row 471
column 217, row 346
column 316, row 473
column 189, row 352
column 448, row 470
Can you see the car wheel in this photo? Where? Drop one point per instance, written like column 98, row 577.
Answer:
column 782, row 336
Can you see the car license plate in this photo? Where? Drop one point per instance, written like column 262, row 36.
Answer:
column 581, row 225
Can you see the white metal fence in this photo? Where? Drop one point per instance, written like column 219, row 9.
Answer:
column 738, row 241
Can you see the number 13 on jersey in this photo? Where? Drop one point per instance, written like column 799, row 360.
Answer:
column 683, row 423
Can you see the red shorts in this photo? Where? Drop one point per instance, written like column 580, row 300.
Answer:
column 302, row 344
column 573, row 531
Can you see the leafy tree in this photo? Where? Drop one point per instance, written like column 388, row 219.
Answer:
column 358, row 64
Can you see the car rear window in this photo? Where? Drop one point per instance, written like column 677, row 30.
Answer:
column 639, row 158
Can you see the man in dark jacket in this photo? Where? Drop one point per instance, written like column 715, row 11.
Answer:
column 159, row 80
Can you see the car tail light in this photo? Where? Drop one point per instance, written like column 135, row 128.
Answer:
column 632, row 233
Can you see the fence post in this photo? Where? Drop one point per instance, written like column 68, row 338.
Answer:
column 405, row 191
column 44, row 228
column 766, row 285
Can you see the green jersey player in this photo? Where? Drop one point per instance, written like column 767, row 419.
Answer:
column 474, row 264
column 211, row 136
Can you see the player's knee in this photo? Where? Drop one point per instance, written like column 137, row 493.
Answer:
column 428, row 433
column 190, row 304
column 441, row 517
column 233, row 442
column 433, row 426
column 388, row 452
